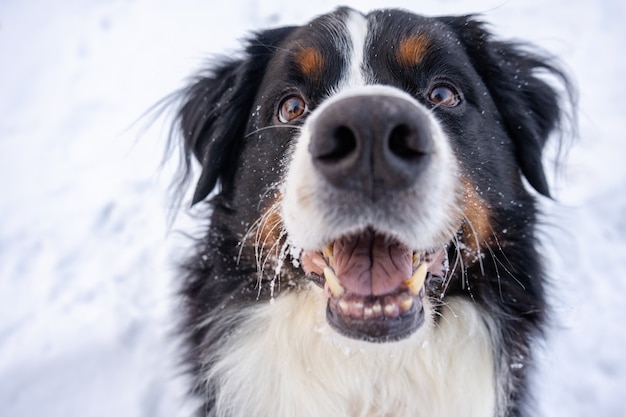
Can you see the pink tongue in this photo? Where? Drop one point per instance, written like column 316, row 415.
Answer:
column 370, row 264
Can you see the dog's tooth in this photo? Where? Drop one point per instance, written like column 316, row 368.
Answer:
column 357, row 309
column 416, row 282
column 344, row 306
column 406, row 303
column 391, row 309
column 335, row 287
column 368, row 312
column 417, row 257
column 328, row 254
column 377, row 309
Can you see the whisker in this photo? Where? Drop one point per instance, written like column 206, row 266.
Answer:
column 461, row 264
column 511, row 274
column 450, row 273
column 274, row 246
column 261, row 129
column 495, row 264
column 478, row 245
column 495, row 237
column 497, row 260
column 260, row 245
column 439, row 313
column 246, row 236
column 260, row 242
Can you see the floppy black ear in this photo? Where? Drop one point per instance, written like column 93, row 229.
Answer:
column 529, row 106
column 216, row 107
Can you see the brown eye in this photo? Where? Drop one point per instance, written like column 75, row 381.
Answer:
column 291, row 108
column 442, row 95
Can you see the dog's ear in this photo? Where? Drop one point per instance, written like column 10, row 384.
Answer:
column 216, row 106
column 530, row 107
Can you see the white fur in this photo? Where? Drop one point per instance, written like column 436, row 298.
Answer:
column 287, row 362
column 357, row 30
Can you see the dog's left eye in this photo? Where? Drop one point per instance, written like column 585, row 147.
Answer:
column 444, row 95
column 291, row 108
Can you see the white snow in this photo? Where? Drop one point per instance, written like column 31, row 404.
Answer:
column 86, row 282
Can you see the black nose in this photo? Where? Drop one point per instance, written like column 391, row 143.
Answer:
column 372, row 144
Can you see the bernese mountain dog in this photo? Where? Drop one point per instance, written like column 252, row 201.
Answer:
column 369, row 185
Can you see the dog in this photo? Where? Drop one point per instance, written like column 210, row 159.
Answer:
column 370, row 185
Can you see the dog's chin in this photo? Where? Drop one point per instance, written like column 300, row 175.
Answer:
column 375, row 285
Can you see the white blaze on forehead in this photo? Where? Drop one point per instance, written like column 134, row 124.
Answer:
column 356, row 31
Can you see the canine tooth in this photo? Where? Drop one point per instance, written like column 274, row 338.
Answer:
column 417, row 257
column 328, row 254
column 416, row 282
column 335, row 287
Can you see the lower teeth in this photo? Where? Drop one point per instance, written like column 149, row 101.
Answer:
column 406, row 304
column 389, row 307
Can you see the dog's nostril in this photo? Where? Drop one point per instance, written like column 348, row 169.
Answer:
column 404, row 144
column 342, row 142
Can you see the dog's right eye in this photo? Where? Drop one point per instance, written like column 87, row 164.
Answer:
column 291, row 108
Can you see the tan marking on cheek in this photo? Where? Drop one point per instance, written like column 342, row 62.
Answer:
column 265, row 244
column 412, row 50
column 311, row 62
column 477, row 228
column 270, row 228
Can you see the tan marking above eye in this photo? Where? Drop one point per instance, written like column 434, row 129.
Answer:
column 291, row 108
column 310, row 61
column 411, row 50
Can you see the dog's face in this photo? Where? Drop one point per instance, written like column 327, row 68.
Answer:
column 383, row 153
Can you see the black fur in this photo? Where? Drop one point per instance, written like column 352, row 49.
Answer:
column 529, row 106
column 510, row 111
column 216, row 107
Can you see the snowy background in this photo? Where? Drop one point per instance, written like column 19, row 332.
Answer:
column 86, row 264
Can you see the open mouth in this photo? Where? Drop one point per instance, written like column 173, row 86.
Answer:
column 375, row 285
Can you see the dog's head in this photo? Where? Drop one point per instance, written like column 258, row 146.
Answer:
column 373, row 149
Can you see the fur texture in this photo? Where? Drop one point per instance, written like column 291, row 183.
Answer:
column 389, row 140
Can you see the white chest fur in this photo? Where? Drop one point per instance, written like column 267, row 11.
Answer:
column 287, row 362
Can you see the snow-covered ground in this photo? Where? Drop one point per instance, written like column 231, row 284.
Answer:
column 86, row 277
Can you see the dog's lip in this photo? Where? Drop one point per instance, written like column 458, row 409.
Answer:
column 372, row 315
